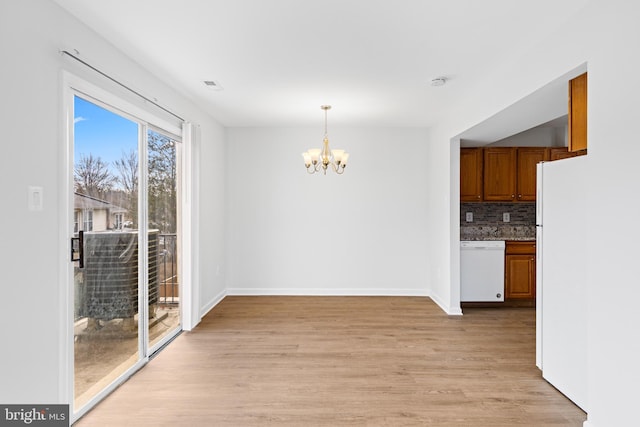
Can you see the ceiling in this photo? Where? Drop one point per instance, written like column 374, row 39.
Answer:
column 546, row 107
column 279, row 60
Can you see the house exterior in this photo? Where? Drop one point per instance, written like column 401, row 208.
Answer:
column 399, row 223
column 93, row 214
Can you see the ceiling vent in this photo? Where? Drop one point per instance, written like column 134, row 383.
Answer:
column 212, row 84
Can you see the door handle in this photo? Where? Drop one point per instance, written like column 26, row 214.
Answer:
column 77, row 249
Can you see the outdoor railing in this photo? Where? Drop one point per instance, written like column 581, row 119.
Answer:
column 107, row 286
column 168, row 269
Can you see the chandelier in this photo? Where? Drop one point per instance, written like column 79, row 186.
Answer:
column 317, row 159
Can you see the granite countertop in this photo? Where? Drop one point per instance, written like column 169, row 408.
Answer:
column 493, row 232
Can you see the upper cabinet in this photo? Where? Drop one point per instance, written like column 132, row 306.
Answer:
column 578, row 113
column 559, row 153
column 504, row 174
column 527, row 159
column 471, row 174
column 499, row 174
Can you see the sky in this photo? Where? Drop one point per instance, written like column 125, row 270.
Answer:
column 102, row 133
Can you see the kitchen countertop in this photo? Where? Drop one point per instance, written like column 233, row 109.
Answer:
column 492, row 232
column 505, row 239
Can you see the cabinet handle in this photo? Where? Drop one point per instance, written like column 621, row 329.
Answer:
column 513, row 195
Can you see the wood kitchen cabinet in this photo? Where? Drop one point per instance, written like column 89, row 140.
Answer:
column 577, row 120
column 520, row 270
column 504, row 174
column 559, row 153
column 499, row 174
column 527, row 159
column 471, row 174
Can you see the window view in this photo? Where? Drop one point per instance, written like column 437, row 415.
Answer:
column 109, row 326
column 163, row 214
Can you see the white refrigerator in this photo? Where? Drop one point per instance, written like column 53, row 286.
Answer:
column 561, row 272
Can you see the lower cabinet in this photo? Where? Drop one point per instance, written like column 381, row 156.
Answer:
column 520, row 270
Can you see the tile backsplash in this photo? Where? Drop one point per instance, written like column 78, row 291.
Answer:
column 488, row 221
column 522, row 213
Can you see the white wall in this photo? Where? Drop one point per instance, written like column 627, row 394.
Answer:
column 613, row 333
column 363, row 232
column 210, row 159
column 31, row 33
column 444, row 224
column 536, row 137
column 604, row 35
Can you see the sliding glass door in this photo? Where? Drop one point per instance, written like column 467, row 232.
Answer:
column 125, row 245
column 163, row 222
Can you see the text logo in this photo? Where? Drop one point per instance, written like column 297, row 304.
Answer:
column 34, row 415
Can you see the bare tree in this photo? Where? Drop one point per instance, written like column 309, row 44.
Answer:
column 92, row 176
column 162, row 182
column 127, row 167
column 127, row 178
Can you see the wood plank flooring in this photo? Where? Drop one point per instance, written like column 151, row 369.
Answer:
column 343, row 361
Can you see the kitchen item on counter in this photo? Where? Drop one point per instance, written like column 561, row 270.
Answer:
column 482, row 271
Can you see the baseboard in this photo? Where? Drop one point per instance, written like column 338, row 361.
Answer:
column 327, row 292
column 451, row 311
column 211, row 304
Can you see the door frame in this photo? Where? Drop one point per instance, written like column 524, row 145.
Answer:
column 71, row 85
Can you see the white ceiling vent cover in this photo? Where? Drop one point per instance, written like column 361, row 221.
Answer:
column 212, row 84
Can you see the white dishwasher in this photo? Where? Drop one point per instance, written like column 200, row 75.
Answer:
column 482, row 271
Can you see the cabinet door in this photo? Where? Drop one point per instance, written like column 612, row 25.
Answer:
column 578, row 113
column 528, row 158
column 471, row 174
column 560, row 153
column 500, row 174
column 520, row 276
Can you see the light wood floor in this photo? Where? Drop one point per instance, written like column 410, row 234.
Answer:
column 343, row 361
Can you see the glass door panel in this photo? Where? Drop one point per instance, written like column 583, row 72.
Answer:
column 105, row 215
column 162, row 198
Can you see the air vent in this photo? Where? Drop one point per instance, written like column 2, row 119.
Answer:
column 438, row 81
column 212, row 84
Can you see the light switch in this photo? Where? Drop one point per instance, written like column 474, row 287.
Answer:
column 506, row 217
column 469, row 216
column 35, row 198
